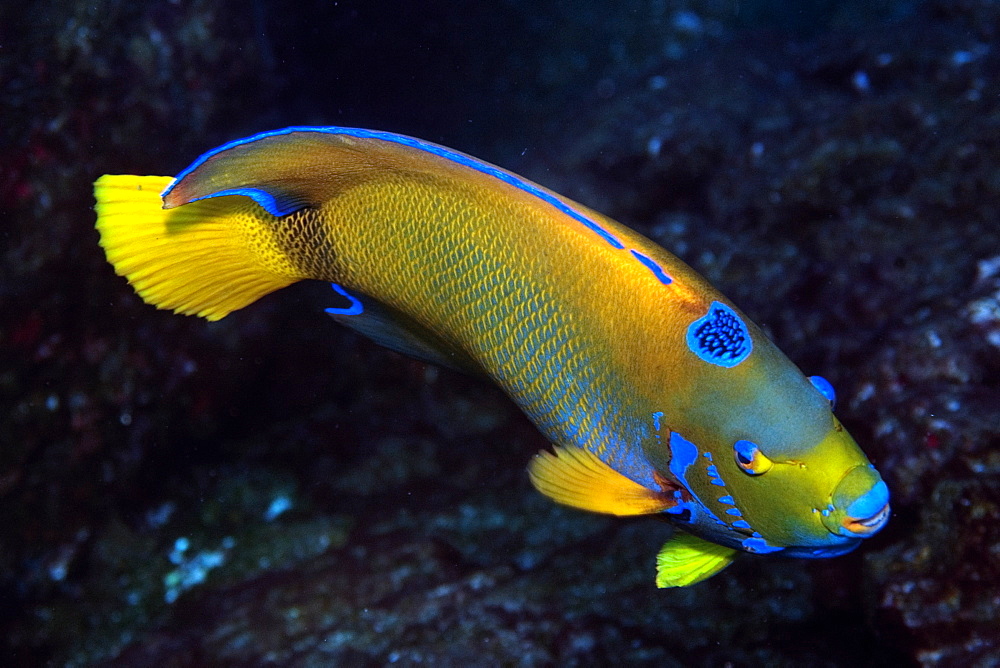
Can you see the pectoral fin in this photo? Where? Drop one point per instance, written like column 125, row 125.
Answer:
column 392, row 329
column 686, row 560
column 577, row 477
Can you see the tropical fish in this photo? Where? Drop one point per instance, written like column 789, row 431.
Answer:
column 659, row 395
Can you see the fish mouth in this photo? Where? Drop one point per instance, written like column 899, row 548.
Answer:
column 868, row 525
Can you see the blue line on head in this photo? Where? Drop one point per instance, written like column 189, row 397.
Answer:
column 454, row 156
column 355, row 307
column 652, row 266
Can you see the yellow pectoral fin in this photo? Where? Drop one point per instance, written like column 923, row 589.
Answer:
column 576, row 477
column 206, row 258
column 686, row 560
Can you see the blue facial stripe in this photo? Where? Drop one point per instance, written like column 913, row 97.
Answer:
column 870, row 502
column 825, row 388
column 720, row 337
column 652, row 266
column 355, row 307
column 684, row 453
column 448, row 154
column 715, row 479
column 713, row 473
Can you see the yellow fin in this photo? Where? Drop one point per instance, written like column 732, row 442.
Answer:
column 686, row 559
column 576, row 477
column 206, row 258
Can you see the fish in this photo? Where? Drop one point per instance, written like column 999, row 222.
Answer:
column 657, row 394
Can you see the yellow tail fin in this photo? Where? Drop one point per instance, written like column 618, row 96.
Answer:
column 206, row 258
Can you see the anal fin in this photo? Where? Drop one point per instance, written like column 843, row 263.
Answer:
column 576, row 477
column 685, row 560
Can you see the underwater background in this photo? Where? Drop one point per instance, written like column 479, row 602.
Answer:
column 271, row 489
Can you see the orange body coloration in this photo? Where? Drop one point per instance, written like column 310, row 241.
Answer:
column 660, row 395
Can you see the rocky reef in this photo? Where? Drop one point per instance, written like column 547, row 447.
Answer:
column 272, row 490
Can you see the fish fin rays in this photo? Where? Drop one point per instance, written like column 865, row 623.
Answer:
column 576, row 477
column 198, row 259
column 390, row 328
column 685, row 560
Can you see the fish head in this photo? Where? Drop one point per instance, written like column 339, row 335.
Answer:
column 789, row 479
column 821, row 501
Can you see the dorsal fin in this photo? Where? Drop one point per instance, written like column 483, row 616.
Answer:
column 578, row 478
column 282, row 171
column 296, row 167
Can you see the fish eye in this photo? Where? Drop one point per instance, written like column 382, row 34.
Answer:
column 750, row 458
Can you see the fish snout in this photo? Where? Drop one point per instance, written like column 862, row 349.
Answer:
column 859, row 505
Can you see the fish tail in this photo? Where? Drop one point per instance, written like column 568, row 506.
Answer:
column 206, row 258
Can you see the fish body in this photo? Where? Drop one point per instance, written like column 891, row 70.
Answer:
column 659, row 395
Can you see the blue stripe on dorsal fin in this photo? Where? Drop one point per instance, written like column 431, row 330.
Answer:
column 248, row 169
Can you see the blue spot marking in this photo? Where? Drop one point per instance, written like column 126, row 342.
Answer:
column 758, row 545
column 713, row 473
column 708, row 456
column 683, row 454
column 657, row 416
column 734, row 511
column 652, row 266
column 355, row 307
column 720, row 337
column 825, row 388
column 870, row 502
column 741, row 524
column 441, row 151
column 727, row 499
